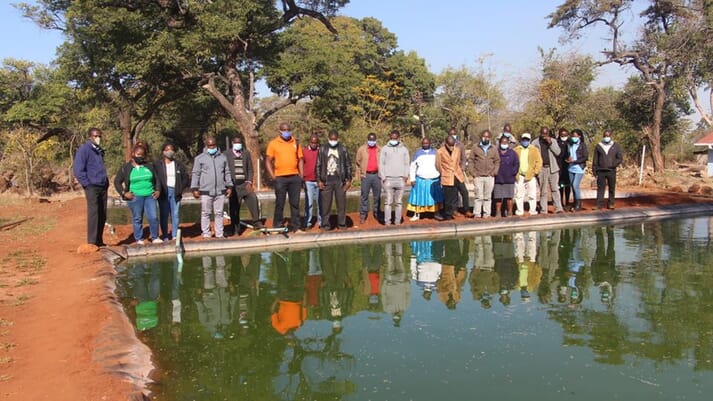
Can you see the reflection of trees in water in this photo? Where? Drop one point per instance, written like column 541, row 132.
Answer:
column 673, row 282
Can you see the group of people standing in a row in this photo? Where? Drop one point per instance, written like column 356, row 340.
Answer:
column 502, row 169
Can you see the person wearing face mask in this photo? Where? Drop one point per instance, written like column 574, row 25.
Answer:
column 367, row 163
column 504, row 189
column 334, row 174
column 312, row 200
column 484, row 163
column 564, row 184
column 394, row 164
column 448, row 163
column 607, row 157
column 460, row 185
column 241, row 172
column 284, row 162
column 137, row 184
column 507, row 133
column 577, row 156
column 526, row 182
column 549, row 175
column 90, row 171
column 426, row 194
column 173, row 178
column 211, row 183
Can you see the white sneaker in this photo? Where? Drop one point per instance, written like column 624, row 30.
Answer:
column 157, row 241
column 415, row 217
column 140, row 242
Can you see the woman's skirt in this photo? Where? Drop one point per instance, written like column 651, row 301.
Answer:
column 426, row 196
column 503, row 191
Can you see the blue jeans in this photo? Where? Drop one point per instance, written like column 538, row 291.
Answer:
column 169, row 203
column 312, row 199
column 575, row 179
column 138, row 206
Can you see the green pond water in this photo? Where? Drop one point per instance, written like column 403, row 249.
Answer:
column 597, row 313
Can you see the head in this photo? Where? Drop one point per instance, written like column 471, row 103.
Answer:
column 333, row 138
column 485, row 137
column 450, row 142
column 606, row 137
column 563, row 133
column 394, row 138
column 211, row 145
column 237, row 143
column 138, row 154
column 544, row 132
column 313, row 141
column 504, row 143
column 425, row 144
column 453, row 132
column 169, row 151
column 525, row 139
column 371, row 139
column 427, row 294
column 576, row 135
column 507, row 128
column 285, row 131
column 94, row 135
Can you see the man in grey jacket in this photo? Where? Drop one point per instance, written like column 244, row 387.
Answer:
column 211, row 183
column 394, row 162
column 548, row 177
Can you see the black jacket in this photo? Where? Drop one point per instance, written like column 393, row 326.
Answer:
column 582, row 155
column 247, row 165
column 123, row 180
column 183, row 179
column 344, row 170
column 604, row 161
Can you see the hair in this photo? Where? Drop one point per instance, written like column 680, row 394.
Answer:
column 395, row 132
column 141, row 144
column 578, row 132
column 93, row 130
column 484, row 131
column 167, row 144
column 370, row 134
column 561, row 130
column 333, row 132
column 208, row 138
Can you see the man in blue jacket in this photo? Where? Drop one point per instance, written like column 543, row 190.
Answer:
column 90, row 171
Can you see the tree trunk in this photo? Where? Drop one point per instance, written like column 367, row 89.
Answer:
column 125, row 124
column 655, row 137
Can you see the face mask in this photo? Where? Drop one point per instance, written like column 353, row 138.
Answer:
column 574, row 139
column 212, row 151
column 507, row 135
column 606, row 139
column 286, row 135
column 237, row 147
column 504, row 146
column 485, row 142
column 371, row 143
column 455, row 137
column 139, row 160
column 564, row 138
column 169, row 154
column 97, row 140
column 525, row 144
column 393, row 142
column 333, row 143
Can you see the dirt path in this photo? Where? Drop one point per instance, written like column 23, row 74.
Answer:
column 54, row 306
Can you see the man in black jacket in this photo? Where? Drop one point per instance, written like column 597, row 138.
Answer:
column 607, row 157
column 241, row 170
column 334, row 176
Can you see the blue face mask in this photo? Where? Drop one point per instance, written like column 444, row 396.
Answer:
column 286, row 135
column 606, row 139
column 237, row 147
column 212, row 151
column 574, row 139
column 333, row 143
column 525, row 144
column 371, row 143
column 393, row 142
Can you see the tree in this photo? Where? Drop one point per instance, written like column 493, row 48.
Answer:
column 697, row 71
column 653, row 54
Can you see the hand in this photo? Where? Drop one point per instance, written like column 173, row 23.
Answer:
column 347, row 185
column 413, row 183
column 228, row 191
column 128, row 195
column 249, row 186
column 155, row 194
column 406, row 180
column 320, row 185
column 197, row 194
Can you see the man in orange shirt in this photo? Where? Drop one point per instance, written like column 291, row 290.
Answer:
column 285, row 165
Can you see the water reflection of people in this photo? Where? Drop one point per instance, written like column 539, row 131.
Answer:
column 244, row 281
column 288, row 310
column 176, row 306
column 146, row 282
column 395, row 288
column 371, row 259
column 337, row 290
column 426, row 265
column 604, row 271
column 313, row 283
column 453, row 274
column 505, row 266
column 569, row 289
column 215, row 304
column 483, row 280
column 529, row 272
column 548, row 258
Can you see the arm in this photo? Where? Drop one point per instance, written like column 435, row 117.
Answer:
column 348, row 173
column 555, row 148
column 80, row 167
column 496, row 163
column 382, row 164
column 406, row 165
column 156, row 181
column 249, row 170
column 121, row 184
column 618, row 155
column 318, row 170
column 196, row 178
column 412, row 172
column 595, row 161
column 300, row 162
column 227, row 179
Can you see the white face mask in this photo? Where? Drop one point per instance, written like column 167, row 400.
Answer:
column 97, row 140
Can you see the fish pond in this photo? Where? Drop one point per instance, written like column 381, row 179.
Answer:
column 594, row 313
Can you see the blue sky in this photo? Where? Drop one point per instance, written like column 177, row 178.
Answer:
column 446, row 33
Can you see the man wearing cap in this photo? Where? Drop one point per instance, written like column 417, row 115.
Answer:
column 484, row 163
column 526, row 181
column 549, row 175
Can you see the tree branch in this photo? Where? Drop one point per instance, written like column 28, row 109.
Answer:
column 292, row 10
column 286, row 102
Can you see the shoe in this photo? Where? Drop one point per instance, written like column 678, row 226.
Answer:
column 362, row 219
column 559, row 212
column 157, row 241
column 140, row 242
column 415, row 217
column 258, row 225
column 206, row 236
column 438, row 217
column 326, row 228
column 524, row 294
column 342, row 227
column 610, row 207
column 533, row 213
column 459, row 214
column 469, row 215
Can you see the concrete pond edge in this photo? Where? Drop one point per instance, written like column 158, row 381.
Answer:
column 123, row 354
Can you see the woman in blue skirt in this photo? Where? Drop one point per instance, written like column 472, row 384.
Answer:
column 426, row 194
